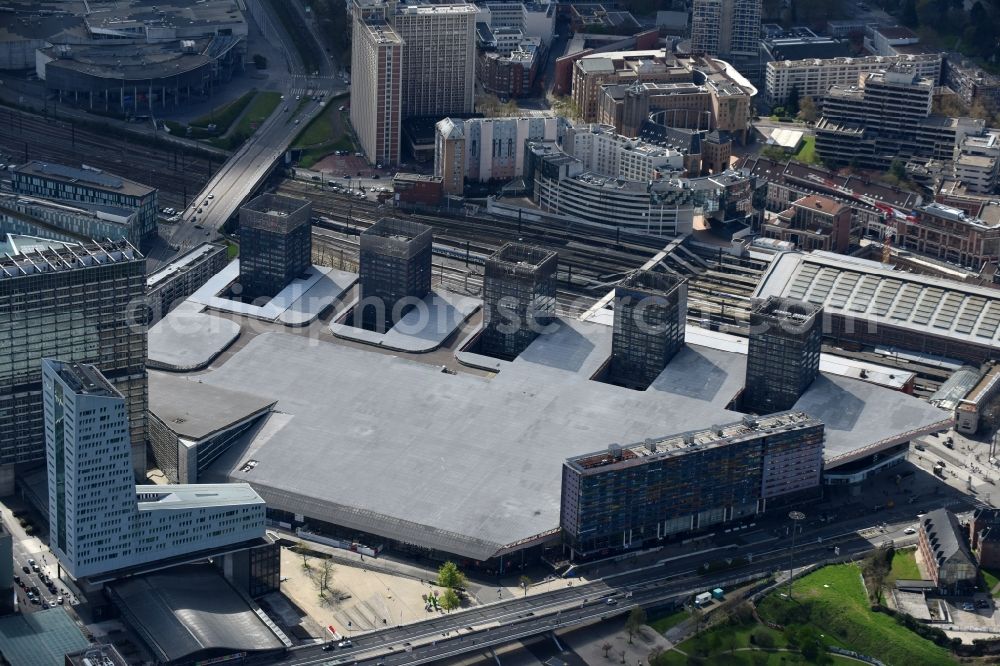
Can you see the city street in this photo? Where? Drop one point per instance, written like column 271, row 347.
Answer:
column 30, row 548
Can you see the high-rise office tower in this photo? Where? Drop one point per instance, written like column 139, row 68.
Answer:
column 275, row 243
column 519, row 298
column 439, row 57
column 725, row 27
column 376, row 88
column 83, row 303
column 413, row 59
column 99, row 520
column 783, row 358
column 650, row 312
column 395, row 271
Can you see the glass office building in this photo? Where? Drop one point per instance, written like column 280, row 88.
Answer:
column 81, row 303
column 275, row 244
column 786, row 336
column 650, row 313
column 519, row 298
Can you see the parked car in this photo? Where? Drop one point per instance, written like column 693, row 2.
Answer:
column 909, row 530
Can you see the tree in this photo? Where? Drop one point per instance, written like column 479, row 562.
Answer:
column 450, row 577
column 525, row 583
column 792, row 103
column 325, row 573
column 898, row 170
column 450, row 600
column 607, row 648
column 635, row 620
column 807, row 109
column 908, row 14
column 761, row 637
column 305, row 558
column 565, row 106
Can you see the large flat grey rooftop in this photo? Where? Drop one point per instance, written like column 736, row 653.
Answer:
column 194, row 410
column 188, row 339
column 471, row 465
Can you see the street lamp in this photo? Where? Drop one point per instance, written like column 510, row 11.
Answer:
column 795, row 517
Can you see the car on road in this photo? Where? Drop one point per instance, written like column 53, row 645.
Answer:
column 60, row 601
column 346, row 643
column 909, row 530
column 198, row 226
column 26, row 569
column 327, row 647
column 205, row 202
column 298, row 97
column 296, row 121
column 611, row 601
column 211, row 196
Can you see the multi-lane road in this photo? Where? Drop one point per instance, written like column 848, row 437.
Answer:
column 304, row 97
column 227, row 190
column 505, row 621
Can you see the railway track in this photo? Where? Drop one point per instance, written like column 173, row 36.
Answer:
column 174, row 171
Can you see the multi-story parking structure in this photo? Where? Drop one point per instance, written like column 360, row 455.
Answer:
column 629, row 496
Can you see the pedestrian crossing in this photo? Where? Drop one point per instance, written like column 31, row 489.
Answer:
column 304, row 85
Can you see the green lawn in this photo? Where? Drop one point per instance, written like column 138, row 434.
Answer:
column 904, row 565
column 663, row 622
column 990, row 577
column 262, row 106
column 807, row 153
column 232, row 250
column 326, row 133
column 222, row 117
column 729, row 645
column 833, row 601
